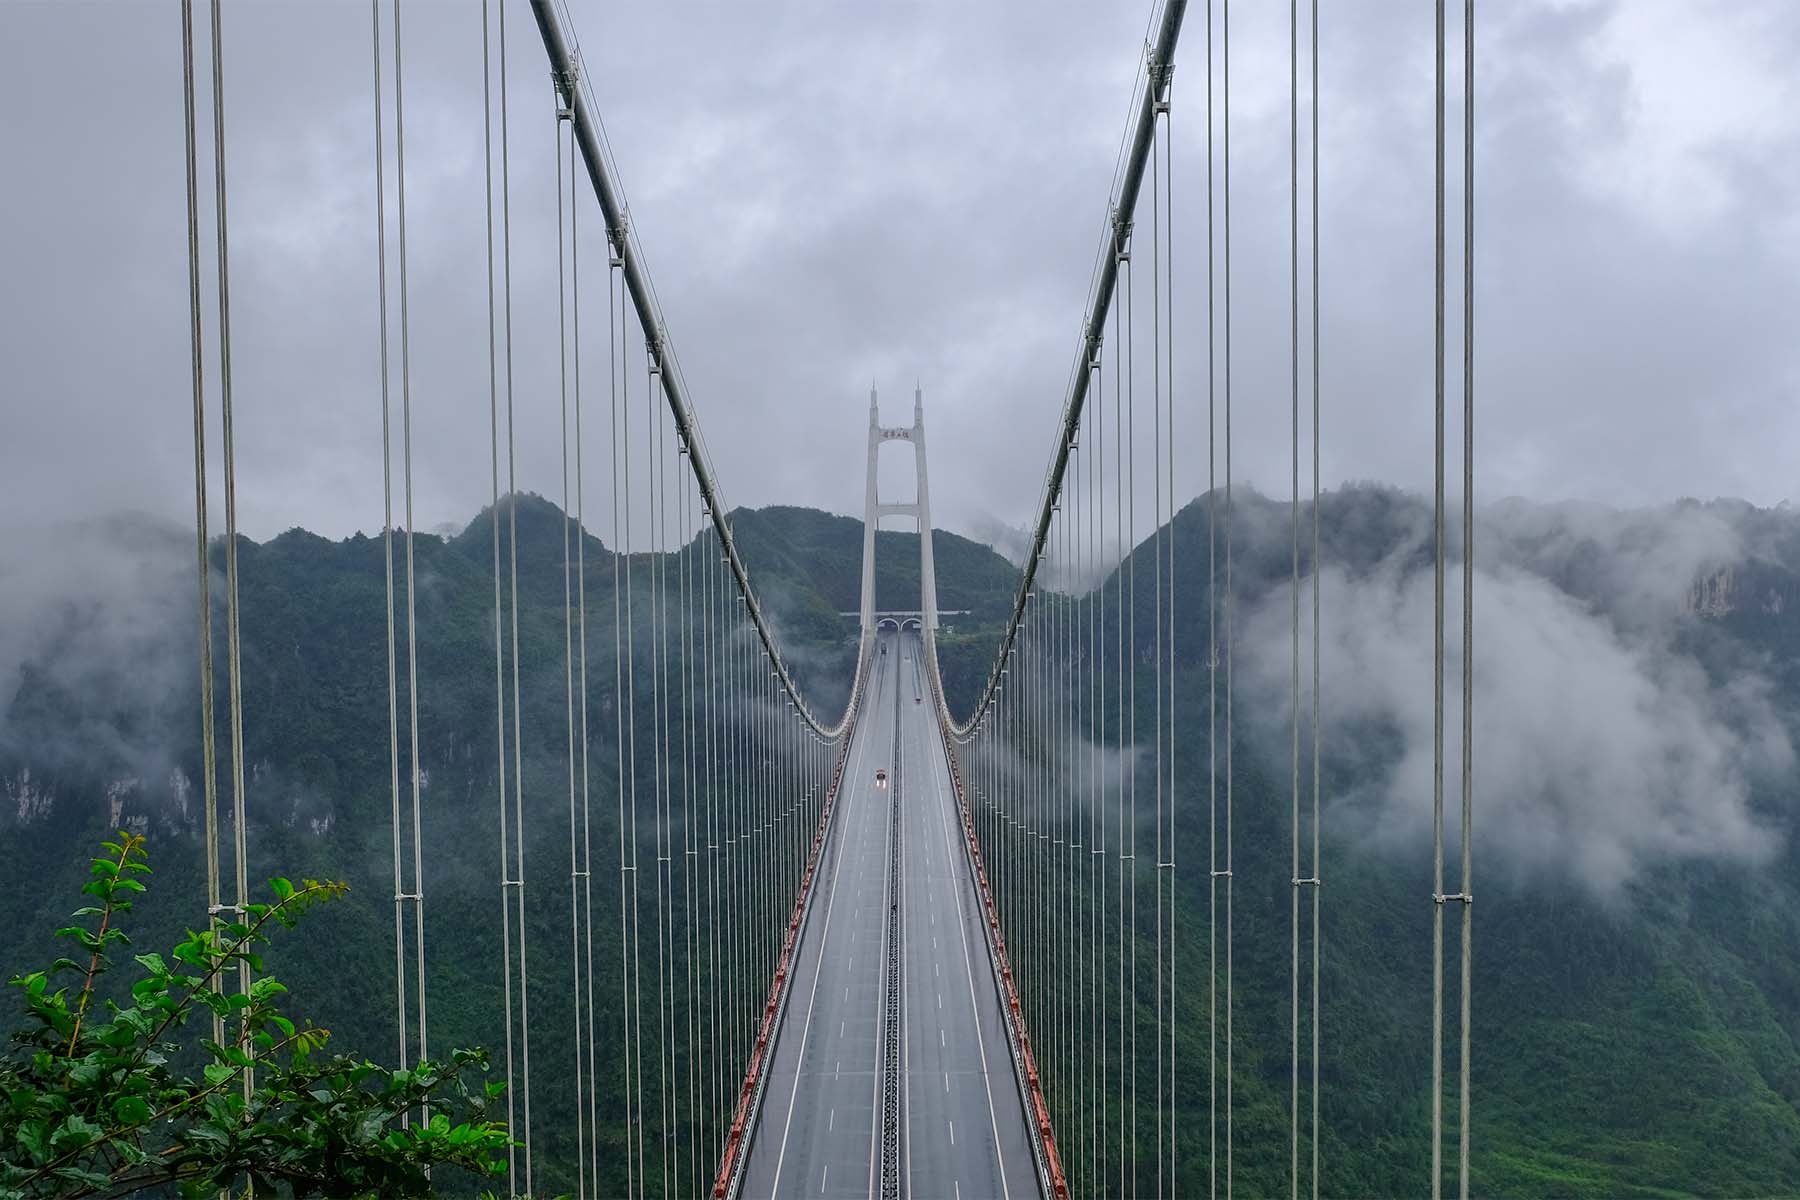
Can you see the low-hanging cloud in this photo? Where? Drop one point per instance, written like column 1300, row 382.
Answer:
column 1602, row 750
column 101, row 615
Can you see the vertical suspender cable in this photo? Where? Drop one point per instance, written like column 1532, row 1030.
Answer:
column 621, row 566
column 586, row 967
column 387, row 537
column 387, row 534
column 659, row 760
column 562, row 200
column 512, row 510
column 625, row 643
column 1294, row 598
column 1212, row 663
column 1437, row 650
column 709, row 593
column 387, row 540
column 690, row 849
column 1230, row 599
column 1100, row 1029
column 1468, row 613
column 416, row 894
column 1318, row 584
column 1127, row 750
column 499, row 656
column 1127, row 345
column 1168, row 181
column 631, row 769
column 208, row 731
column 233, row 661
column 1165, row 864
column 1156, row 640
column 1097, row 783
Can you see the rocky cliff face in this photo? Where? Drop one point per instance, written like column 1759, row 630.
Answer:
column 1753, row 587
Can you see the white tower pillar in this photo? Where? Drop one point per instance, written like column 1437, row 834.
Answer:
column 871, row 517
column 919, row 510
column 927, row 569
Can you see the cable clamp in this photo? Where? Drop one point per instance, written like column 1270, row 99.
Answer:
column 1121, row 225
column 399, row 896
column 214, row 910
column 1305, row 882
column 1452, row 898
column 1221, row 874
column 1158, row 75
column 506, row 883
column 1164, row 75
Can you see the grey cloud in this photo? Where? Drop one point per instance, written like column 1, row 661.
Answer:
column 831, row 193
column 1603, row 751
column 103, row 613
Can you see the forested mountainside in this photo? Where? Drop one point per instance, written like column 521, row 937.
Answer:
column 1637, row 993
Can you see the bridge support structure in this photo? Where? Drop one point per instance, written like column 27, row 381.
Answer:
column 919, row 509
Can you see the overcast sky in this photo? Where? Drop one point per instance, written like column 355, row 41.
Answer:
column 835, row 193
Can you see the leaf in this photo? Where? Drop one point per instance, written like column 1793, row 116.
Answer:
column 76, row 1131
column 131, row 1110
column 266, row 989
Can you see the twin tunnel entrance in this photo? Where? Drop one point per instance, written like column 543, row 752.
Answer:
column 892, row 1072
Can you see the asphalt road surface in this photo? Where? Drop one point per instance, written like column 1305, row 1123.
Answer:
column 818, row 1129
column 965, row 1134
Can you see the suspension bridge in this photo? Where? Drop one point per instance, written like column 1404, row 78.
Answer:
column 899, row 949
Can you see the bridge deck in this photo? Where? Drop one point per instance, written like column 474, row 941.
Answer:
column 818, row 1129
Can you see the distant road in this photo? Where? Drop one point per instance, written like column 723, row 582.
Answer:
column 818, row 1131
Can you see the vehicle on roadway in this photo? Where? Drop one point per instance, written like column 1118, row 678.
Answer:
column 880, row 778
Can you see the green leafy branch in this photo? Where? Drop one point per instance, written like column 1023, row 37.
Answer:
column 99, row 1103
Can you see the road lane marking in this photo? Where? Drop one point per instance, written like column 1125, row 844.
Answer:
column 962, row 928
column 811, row 1001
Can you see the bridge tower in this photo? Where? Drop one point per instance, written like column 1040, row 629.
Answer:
column 920, row 510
